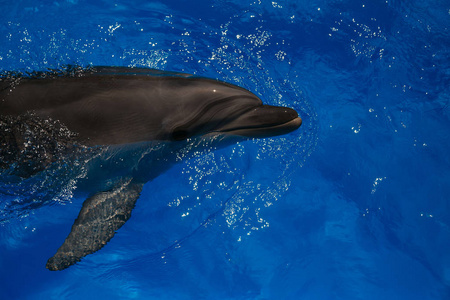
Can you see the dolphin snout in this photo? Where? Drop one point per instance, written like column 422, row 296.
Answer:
column 264, row 121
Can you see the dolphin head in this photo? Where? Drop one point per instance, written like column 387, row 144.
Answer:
column 109, row 105
column 208, row 107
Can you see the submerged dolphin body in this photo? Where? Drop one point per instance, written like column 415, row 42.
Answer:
column 106, row 106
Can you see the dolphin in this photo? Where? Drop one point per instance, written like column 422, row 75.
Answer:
column 60, row 113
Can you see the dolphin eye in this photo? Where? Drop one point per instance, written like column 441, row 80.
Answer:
column 179, row 134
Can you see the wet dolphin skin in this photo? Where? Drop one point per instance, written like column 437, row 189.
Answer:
column 104, row 106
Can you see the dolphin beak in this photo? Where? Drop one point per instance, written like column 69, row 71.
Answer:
column 263, row 121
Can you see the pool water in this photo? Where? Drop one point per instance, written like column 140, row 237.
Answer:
column 353, row 205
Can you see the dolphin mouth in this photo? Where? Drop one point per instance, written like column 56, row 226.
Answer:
column 263, row 121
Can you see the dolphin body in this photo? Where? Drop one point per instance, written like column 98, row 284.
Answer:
column 117, row 106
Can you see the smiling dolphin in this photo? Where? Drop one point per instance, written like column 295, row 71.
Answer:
column 105, row 106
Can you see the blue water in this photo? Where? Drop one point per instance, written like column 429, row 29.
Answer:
column 353, row 205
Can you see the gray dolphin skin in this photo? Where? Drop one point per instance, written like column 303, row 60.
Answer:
column 113, row 106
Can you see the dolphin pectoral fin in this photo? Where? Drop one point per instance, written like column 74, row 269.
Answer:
column 100, row 216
